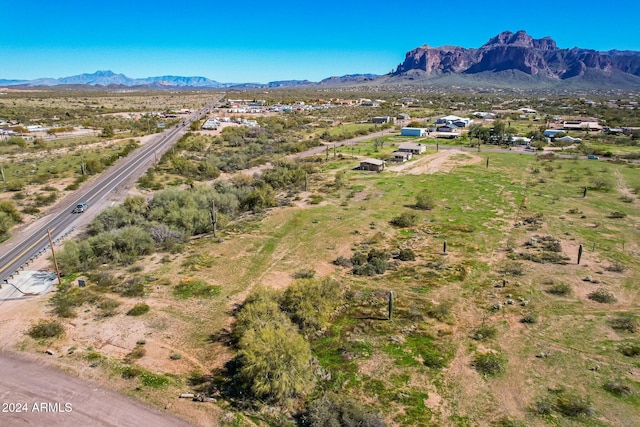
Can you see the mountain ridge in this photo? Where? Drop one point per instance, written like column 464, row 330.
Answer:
column 508, row 59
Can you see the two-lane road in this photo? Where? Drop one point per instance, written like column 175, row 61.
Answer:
column 16, row 253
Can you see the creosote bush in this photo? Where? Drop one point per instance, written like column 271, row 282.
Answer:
column 138, row 310
column 489, row 364
column 602, row 295
column 332, row 410
column 617, row 388
column 405, row 219
column 46, row 329
column 625, row 322
column 559, row 289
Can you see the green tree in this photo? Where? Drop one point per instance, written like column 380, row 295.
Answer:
column 310, row 302
column 275, row 363
column 107, row 132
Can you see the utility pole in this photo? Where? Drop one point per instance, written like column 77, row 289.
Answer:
column 55, row 262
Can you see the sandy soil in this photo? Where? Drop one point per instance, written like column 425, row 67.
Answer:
column 442, row 161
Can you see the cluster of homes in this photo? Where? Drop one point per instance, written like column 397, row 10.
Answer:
column 214, row 122
column 405, row 152
column 445, row 127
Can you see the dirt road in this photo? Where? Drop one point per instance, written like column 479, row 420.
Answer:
column 34, row 394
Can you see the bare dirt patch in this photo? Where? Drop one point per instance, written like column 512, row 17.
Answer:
column 442, row 161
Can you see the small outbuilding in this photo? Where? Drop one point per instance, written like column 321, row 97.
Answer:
column 413, row 132
column 401, row 156
column 374, row 165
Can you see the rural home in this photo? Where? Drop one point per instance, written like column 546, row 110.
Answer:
column 372, row 165
column 410, row 147
column 581, row 125
column 551, row 133
column 447, row 135
column 401, row 156
column 447, row 128
column 383, row 120
column 413, row 132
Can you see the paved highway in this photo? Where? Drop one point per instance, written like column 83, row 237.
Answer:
column 17, row 252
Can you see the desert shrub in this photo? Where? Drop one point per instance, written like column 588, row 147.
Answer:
column 542, row 407
column 65, row 301
column 103, row 279
column 406, row 255
column 489, row 364
column 484, row 332
column 601, row 184
column 405, row 219
column 441, row 312
column 625, row 322
column 572, row 405
column 190, row 288
column 132, row 287
column 331, row 410
column 175, row 356
column 274, row 363
column 305, row 273
column 630, row 350
column 425, row 200
column 506, row 421
column 343, row 262
column 138, row 310
column 616, row 267
column 129, row 372
column 617, row 388
column 108, row 307
column 513, row 269
column 602, row 295
column 310, row 302
column 138, row 352
column 46, row 329
column 560, row 289
column 529, row 318
column 617, row 215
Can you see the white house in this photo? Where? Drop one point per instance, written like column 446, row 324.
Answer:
column 409, row 147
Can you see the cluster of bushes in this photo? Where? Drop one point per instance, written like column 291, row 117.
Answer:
column 274, row 359
column 46, row 329
column 373, row 262
column 326, row 136
column 332, row 410
column 9, row 216
column 138, row 227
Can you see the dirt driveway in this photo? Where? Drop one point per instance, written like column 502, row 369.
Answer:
column 34, row 394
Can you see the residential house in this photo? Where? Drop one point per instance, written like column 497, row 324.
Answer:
column 409, row 147
column 551, row 133
column 401, row 156
column 383, row 120
column 447, row 128
column 374, row 165
column 581, row 125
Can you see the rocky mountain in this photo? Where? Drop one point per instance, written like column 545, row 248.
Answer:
column 520, row 53
column 109, row 78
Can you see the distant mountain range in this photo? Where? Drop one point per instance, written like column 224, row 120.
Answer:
column 111, row 79
column 508, row 60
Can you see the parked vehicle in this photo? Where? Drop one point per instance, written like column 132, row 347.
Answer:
column 592, row 157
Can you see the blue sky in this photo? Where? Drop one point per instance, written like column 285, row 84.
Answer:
column 252, row 41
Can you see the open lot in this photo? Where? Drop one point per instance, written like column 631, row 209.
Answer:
column 512, row 230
